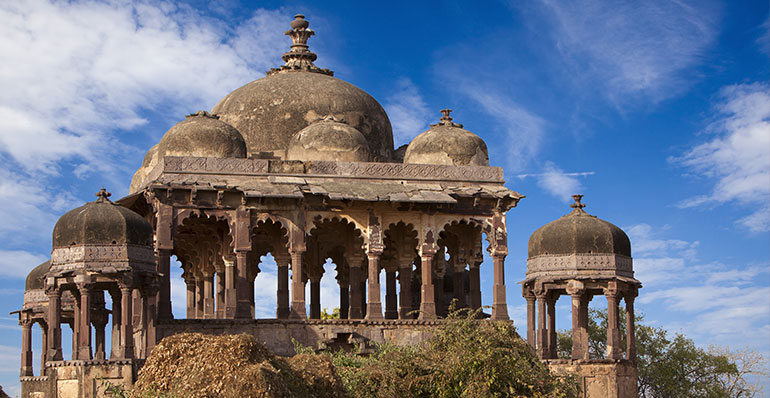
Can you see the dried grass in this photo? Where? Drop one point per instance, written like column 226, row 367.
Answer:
column 197, row 365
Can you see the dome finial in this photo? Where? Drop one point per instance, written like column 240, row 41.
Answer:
column 578, row 205
column 446, row 120
column 300, row 57
column 103, row 196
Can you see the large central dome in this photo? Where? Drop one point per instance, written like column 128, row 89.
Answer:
column 269, row 111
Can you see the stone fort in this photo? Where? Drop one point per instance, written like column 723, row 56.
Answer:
column 301, row 165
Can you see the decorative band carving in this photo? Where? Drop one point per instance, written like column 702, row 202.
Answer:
column 598, row 264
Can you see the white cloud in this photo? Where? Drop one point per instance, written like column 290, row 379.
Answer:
column 18, row 263
column 91, row 67
column 713, row 303
column 408, row 113
column 558, row 183
column 738, row 158
column 629, row 48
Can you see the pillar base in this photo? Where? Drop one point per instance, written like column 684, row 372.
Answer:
column 374, row 311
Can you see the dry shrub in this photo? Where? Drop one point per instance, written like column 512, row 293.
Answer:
column 197, row 365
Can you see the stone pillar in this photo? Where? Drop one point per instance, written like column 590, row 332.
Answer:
column 427, row 290
column 499, row 305
column 84, row 323
column 551, row 304
column 297, row 287
column 531, row 316
column 231, row 293
column 363, row 298
column 26, row 348
column 405, row 281
column 356, row 310
column 344, row 301
column 244, row 302
column 151, row 315
column 220, row 297
column 578, row 333
column 315, row 298
column 282, row 305
column 542, row 331
column 116, row 321
column 630, row 325
column 164, row 295
column 613, row 332
column 208, row 296
column 474, row 281
column 189, row 282
column 391, row 300
column 374, row 304
column 584, row 323
column 127, row 329
column 199, row 289
column 75, row 327
column 43, row 346
column 458, row 285
column 99, row 351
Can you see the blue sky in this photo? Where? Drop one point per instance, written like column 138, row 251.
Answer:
column 657, row 111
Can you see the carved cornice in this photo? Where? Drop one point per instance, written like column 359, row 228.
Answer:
column 114, row 258
column 600, row 265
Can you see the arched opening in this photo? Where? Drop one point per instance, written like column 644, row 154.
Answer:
column 268, row 270
column 457, row 269
column 398, row 257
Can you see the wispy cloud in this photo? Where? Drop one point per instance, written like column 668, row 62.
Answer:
column 408, row 112
column 738, row 158
column 631, row 48
column 523, row 129
column 718, row 303
column 558, row 183
column 92, row 67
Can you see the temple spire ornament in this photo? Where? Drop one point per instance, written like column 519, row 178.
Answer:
column 299, row 57
column 446, row 120
column 578, row 205
column 103, row 196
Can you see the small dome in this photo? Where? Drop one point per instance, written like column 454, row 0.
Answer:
column 36, row 277
column 447, row 143
column 202, row 135
column 150, row 160
column 579, row 233
column 329, row 139
column 101, row 222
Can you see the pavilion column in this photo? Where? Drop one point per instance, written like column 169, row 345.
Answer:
column 458, row 285
column 405, row 280
column 164, row 295
column 356, row 310
column 374, row 304
column 126, row 326
column 531, row 316
column 578, row 332
column 75, row 327
column 499, row 305
column 252, row 298
column 84, row 322
column 116, row 322
column 26, row 348
column 630, row 325
column 613, row 332
column 99, row 323
column 474, row 281
column 220, row 298
column 315, row 297
column 551, row 304
column 208, row 296
column 391, row 300
column 242, row 306
column 199, row 289
column 344, row 301
column 43, row 346
column 297, row 286
column 189, row 282
column 363, row 298
column 282, row 296
column 427, row 290
column 542, row 331
column 151, row 315
column 231, row 294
